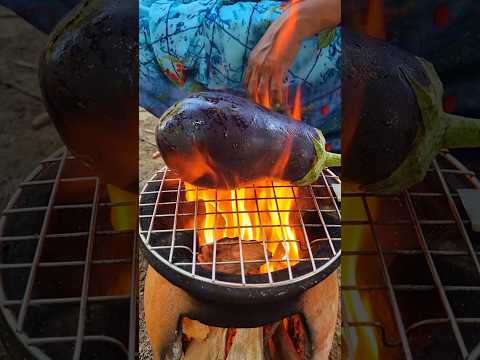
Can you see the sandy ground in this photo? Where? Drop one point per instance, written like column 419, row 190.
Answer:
column 21, row 147
column 148, row 166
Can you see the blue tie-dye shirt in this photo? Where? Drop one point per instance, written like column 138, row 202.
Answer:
column 186, row 46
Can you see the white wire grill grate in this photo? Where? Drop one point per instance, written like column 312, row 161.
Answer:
column 55, row 266
column 171, row 228
column 422, row 269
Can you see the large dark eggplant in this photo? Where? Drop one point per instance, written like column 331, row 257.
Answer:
column 219, row 140
column 89, row 80
column 393, row 124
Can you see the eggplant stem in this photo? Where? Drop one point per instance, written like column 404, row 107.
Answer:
column 461, row 131
column 323, row 160
column 333, row 159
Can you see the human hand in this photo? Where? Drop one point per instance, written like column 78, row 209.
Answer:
column 269, row 61
column 271, row 58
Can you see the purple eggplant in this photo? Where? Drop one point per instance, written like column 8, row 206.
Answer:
column 219, row 140
column 393, row 124
column 89, row 80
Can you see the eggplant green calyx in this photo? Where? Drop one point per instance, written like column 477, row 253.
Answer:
column 438, row 130
column 462, row 132
column 172, row 110
column 323, row 160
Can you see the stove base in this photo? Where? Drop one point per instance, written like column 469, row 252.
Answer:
column 166, row 304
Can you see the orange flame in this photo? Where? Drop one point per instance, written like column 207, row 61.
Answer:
column 251, row 214
column 375, row 24
column 265, row 100
column 193, row 166
column 363, row 340
column 122, row 217
column 297, row 105
column 281, row 46
column 260, row 213
column 359, row 305
column 286, row 32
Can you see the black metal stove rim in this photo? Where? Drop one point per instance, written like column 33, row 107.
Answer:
column 236, row 295
column 244, row 315
column 22, row 350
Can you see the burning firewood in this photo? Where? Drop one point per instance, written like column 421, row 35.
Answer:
column 230, row 336
column 194, row 329
column 299, row 336
column 212, row 348
column 229, row 250
column 247, row 344
column 284, row 344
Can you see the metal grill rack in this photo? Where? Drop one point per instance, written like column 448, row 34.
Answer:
column 421, row 266
column 172, row 243
column 55, row 266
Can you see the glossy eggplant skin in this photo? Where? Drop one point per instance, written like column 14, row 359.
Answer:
column 219, row 140
column 380, row 115
column 89, row 80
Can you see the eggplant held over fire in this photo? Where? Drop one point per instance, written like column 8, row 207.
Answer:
column 393, row 123
column 89, row 80
column 219, row 140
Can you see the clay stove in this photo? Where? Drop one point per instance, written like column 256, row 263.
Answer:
column 417, row 293
column 240, row 258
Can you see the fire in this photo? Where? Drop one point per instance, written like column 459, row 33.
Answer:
column 284, row 37
column 363, row 340
column 196, row 165
column 262, row 212
column 297, row 105
column 123, row 216
column 375, row 23
column 255, row 213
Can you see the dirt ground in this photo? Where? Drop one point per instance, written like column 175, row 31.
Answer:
column 21, row 147
column 147, row 168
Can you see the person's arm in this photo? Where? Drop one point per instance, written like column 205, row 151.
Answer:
column 316, row 15
column 274, row 53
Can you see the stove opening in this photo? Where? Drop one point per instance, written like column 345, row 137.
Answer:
column 284, row 339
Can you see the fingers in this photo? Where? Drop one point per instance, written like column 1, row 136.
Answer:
column 252, row 85
column 264, row 83
column 251, row 77
column 248, row 75
column 279, row 89
column 264, row 86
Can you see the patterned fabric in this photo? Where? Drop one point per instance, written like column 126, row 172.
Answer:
column 186, row 46
column 446, row 32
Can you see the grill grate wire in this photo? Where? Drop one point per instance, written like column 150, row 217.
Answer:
column 163, row 198
column 61, row 160
column 445, row 165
